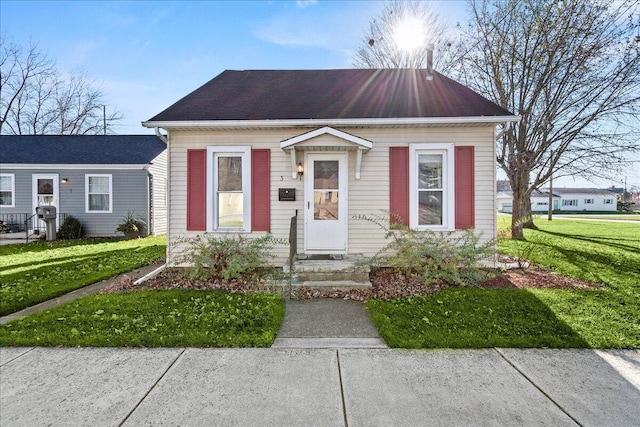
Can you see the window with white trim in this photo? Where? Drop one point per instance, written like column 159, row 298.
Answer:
column 99, row 193
column 7, row 190
column 588, row 201
column 570, row 202
column 431, row 184
column 228, row 185
column 608, row 201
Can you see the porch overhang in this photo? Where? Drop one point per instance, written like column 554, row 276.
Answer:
column 343, row 141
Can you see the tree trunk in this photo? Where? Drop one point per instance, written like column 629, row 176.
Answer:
column 521, row 215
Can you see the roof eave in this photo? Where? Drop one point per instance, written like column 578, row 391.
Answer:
column 189, row 124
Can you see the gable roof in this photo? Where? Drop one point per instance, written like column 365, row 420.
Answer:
column 586, row 191
column 80, row 149
column 328, row 94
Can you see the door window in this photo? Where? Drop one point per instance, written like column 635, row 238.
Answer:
column 45, row 191
column 325, row 190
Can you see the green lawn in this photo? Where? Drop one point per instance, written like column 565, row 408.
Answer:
column 606, row 253
column 175, row 318
column 39, row 271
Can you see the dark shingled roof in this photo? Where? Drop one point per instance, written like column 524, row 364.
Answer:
column 80, row 149
column 329, row 94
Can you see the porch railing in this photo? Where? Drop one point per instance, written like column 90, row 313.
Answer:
column 26, row 223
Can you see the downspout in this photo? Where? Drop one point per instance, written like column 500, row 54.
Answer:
column 161, row 136
column 505, row 129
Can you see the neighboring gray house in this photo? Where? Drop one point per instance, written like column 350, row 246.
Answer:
column 95, row 178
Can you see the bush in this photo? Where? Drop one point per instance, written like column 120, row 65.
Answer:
column 70, row 229
column 227, row 256
column 433, row 257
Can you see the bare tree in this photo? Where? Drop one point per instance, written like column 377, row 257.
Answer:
column 36, row 99
column 571, row 69
column 379, row 48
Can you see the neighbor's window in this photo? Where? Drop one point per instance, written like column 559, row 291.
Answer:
column 588, row 201
column 542, row 203
column 608, row 201
column 98, row 193
column 228, row 172
column 572, row 202
column 431, row 186
column 7, row 190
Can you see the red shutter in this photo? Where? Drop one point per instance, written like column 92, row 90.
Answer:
column 196, row 190
column 465, row 187
column 399, row 185
column 261, row 190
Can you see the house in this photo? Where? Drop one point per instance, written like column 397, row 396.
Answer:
column 249, row 150
column 539, row 201
column 586, row 199
column 96, row 178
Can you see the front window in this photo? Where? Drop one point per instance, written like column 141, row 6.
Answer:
column 570, row 202
column 228, row 172
column 98, row 193
column 588, row 201
column 608, row 201
column 7, row 190
column 431, row 185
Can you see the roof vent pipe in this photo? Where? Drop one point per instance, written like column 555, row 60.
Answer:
column 430, row 61
column 161, row 136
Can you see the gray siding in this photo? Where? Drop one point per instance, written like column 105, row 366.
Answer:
column 130, row 192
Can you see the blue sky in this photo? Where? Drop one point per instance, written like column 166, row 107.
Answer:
column 145, row 55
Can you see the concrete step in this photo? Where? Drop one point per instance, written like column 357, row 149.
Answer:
column 335, row 285
column 349, row 269
column 308, row 342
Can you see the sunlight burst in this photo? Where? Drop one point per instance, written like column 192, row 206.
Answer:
column 409, row 34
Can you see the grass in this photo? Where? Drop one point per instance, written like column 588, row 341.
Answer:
column 175, row 318
column 39, row 271
column 605, row 253
column 471, row 318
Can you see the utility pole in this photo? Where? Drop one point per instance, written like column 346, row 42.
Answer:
column 104, row 118
column 550, row 215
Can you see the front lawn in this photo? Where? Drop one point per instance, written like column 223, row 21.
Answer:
column 39, row 271
column 176, row 318
column 471, row 318
column 605, row 253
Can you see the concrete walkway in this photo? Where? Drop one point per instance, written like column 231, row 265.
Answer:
column 327, row 323
column 87, row 290
column 318, row 387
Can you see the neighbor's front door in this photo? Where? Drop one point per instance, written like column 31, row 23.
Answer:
column 45, row 193
column 325, row 217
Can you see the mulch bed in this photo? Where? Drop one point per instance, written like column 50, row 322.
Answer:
column 386, row 283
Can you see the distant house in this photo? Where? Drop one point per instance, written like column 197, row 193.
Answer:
column 539, row 201
column 97, row 179
column 251, row 149
column 586, row 199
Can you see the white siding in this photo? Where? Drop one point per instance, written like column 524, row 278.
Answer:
column 598, row 200
column 367, row 196
column 158, row 170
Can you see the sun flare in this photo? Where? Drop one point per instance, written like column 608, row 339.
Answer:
column 409, row 34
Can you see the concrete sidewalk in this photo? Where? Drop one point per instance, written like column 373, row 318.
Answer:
column 318, row 387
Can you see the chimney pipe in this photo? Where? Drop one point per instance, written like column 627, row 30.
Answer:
column 430, row 61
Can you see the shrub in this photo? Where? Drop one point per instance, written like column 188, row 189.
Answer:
column 433, row 257
column 227, row 256
column 130, row 225
column 71, row 228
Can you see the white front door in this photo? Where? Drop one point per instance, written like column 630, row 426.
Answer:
column 325, row 218
column 45, row 193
